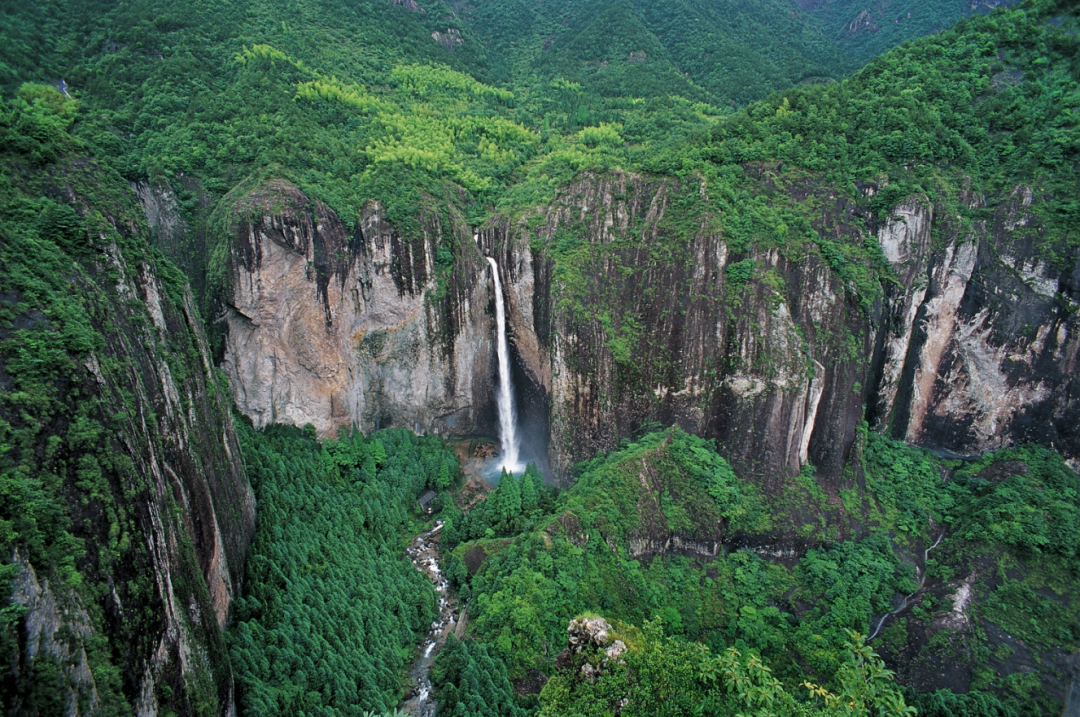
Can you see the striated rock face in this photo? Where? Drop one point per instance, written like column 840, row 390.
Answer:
column 655, row 329
column 50, row 625
column 974, row 347
column 336, row 327
column 197, row 496
column 980, row 349
column 627, row 307
column 148, row 478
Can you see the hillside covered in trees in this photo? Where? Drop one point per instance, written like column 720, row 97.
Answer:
column 792, row 291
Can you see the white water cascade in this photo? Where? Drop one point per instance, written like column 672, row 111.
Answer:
column 507, row 421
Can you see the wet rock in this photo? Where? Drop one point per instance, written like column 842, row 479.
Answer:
column 419, row 702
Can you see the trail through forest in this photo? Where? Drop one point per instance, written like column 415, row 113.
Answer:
column 424, row 555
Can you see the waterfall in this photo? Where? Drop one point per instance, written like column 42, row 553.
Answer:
column 507, row 423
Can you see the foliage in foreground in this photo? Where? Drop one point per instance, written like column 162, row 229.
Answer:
column 333, row 608
column 666, row 676
column 470, row 682
column 1013, row 511
column 83, row 366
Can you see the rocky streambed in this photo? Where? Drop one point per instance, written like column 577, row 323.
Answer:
column 423, row 552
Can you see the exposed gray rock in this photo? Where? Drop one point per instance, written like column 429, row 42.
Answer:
column 1072, row 693
column 980, row 349
column 338, row 328
column 747, row 377
column 57, row 627
column 973, row 348
column 976, row 348
column 450, row 38
column 586, row 631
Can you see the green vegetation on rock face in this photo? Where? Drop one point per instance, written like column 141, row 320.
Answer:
column 720, row 594
column 103, row 390
column 663, row 530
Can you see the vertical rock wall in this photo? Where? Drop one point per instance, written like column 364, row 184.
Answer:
column 652, row 330
column 973, row 348
column 627, row 307
column 337, row 327
column 981, row 345
column 141, row 460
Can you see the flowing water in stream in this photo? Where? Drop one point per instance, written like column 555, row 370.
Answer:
column 422, row 550
column 424, row 554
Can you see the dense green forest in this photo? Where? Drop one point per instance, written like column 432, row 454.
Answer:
column 350, row 100
column 743, row 104
column 717, row 625
column 207, row 97
column 334, row 608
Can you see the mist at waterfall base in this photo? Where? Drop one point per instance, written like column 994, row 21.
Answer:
column 516, row 450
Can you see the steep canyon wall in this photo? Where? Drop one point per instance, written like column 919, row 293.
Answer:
column 630, row 303
column 337, row 326
column 125, row 439
column 653, row 317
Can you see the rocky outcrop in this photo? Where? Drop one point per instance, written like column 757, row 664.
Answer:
column 57, row 629
column 974, row 346
column 627, row 307
column 979, row 349
column 451, row 38
column 656, row 329
column 592, row 645
column 338, row 326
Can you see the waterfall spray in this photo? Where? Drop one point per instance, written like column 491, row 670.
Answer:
column 507, row 423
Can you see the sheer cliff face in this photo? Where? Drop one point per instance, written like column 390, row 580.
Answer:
column 142, row 453
column 336, row 327
column 973, row 348
column 651, row 326
column 979, row 350
column 627, row 305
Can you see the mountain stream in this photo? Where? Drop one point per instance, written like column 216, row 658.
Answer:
column 424, row 555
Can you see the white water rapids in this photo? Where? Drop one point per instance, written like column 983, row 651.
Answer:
column 424, row 555
column 507, row 420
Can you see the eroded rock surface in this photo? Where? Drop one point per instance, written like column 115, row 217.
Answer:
column 973, row 346
column 336, row 326
column 980, row 348
column 163, row 512
column 669, row 340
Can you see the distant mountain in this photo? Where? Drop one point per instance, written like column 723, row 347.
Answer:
column 865, row 28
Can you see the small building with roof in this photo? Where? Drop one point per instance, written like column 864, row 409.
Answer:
column 425, row 500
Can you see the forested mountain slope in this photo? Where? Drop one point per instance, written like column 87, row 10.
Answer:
column 662, row 529
column 787, row 283
column 723, row 51
column 719, row 51
column 864, row 30
column 125, row 508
